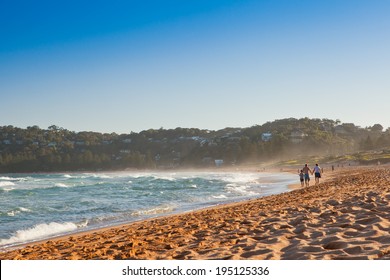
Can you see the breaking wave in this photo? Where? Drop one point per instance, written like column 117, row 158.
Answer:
column 40, row 231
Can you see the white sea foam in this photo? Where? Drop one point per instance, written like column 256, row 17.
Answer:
column 5, row 178
column 94, row 175
column 166, row 178
column 153, row 211
column 138, row 175
column 6, row 184
column 244, row 190
column 12, row 213
column 219, row 196
column 8, row 178
column 248, row 178
column 17, row 211
column 61, row 185
column 40, row 231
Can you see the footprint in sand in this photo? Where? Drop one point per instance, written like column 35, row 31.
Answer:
column 256, row 253
column 334, row 245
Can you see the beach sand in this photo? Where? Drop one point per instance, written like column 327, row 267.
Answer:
column 345, row 217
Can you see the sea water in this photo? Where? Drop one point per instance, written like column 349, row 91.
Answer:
column 38, row 206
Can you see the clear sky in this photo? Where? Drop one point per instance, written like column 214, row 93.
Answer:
column 121, row 66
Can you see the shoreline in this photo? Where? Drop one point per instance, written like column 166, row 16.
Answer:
column 328, row 221
column 87, row 230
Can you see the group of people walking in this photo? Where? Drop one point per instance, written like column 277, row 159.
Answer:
column 305, row 172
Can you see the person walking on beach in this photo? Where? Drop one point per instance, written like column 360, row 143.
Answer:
column 302, row 177
column 317, row 173
column 306, row 171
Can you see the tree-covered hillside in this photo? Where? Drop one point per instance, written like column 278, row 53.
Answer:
column 58, row 149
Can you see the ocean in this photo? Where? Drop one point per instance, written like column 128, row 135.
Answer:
column 39, row 206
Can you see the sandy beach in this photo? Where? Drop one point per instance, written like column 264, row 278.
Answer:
column 345, row 217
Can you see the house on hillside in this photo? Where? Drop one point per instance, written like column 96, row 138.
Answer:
column 266, row 136
column 218, row 162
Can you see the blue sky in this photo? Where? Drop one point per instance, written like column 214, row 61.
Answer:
column 121, row 66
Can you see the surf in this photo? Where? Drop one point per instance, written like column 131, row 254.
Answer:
column 58, row 201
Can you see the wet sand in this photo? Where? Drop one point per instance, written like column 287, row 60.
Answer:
column 345, row 217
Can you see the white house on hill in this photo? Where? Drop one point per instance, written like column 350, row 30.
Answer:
column 266, row 136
